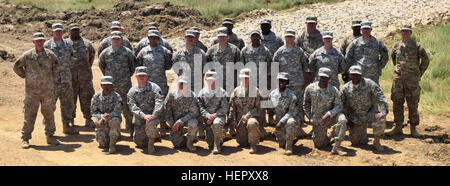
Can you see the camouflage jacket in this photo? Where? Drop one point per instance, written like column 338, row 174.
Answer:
column 318, row 102
column 63, row 52
column 242, row 104
column 145, row 42
column 120, row 65
column 101, row 104
column 143, row 101
column 332, row 59
column 235, row 40
column 107, row 43
column 82, row 58
column 157, row 60
column 272, row 41
column 410, row 60
column 310, row 43
column 212, row 102
column 285, row 104
column 181, row 108
column 293, row 61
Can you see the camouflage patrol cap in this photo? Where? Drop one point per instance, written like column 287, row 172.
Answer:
column 311, row 19
column 356, row 23
column 406, row 27
column 255, row 32
column 265, row 21
column 289, row 32
column 244, row 73
column 366, row 24
column 106, row 80
column 141, row 70
column 57, row 26
column 196, row 29
column 152, row 24
column 325, row 72
column 116, row 34
column 222, row 31
column 283, row 75
column 227, row 21
column 154, row 33
column 115, row 24
column 210, row 75
column 355, row 69
column 327, row 34
column 190, row 33
column 38, row 36
column 74, row 26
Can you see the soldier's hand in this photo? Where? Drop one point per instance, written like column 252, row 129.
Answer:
column 244, row 119
column 325, row 118
column 211, row 119
column 378, row 116
column 99, row 122
column 175, row 127
column 149, row 117
column 106, row 115
column 278, row 126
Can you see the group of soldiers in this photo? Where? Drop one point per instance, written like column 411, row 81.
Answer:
column 307, row 85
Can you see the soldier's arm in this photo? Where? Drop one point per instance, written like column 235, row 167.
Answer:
column 253, row 112
column 95, row 108
column 224, row 105
column 55, row 65
column 293, row 110
column 380, row 98
column 193, row 108
column 168, row 62
column 19, row 66
column 242, row 57
column 384, row 54
column 342, row 64
column 168, row 46
column 345, row 105
column 202, row 106
column 117, row 107
column 307, row 103
column 312, row 63
column 159, row 102
column 128, row 45
column 394, row 54
column 101, row 47
column 337, row 104
column 343, row 47
column 134, row 108
column 242, row 44
column 232, row 115
column 349, row 54
column 237, row 56
column 138, row 48
column 168, row 108
column 102, row 63
column 139, row 59
column 425, row 61
column 91, row 54
column 132, row 62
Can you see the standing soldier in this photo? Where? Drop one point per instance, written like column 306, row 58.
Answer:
column 232, row 37
column 145, row 41
column 63, row 81
column 119, row 62
column 198, row 43
column 80, row 67
column 244, row 112
column 330, row 57
column 181, row 111
column 368, row 52
column 356, row 27
column 146, row 102
column 269, row 39
column 214, row 105
column 106, row 108
column 323, row 107
column 411, row 61
column 361, row 98
column 115, row 26
column 293, row 60
column 39, row 67
column 286, row 110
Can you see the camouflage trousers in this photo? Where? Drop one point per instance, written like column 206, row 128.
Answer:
column 288, row 132
column 84, row 90
column 358, row 131
column 249, row 133
column 108, row 130
column 215, row 130
column 320, row 131
column 126, row 110
column 144, row 131
column 64, row 92
column 179, row 139
column 409, row 89
column 30, row 109
column 298, row 91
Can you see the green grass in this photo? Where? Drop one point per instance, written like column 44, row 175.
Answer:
column 435, row 83
column 61, row 5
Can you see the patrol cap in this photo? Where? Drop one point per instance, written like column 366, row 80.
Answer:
column 244, row 73
column 327, row 34
column 74, row 26
column 210, row 75
column 141, row 70
column 38, row 36
column 283, row 75
column 115, row 24
column 189, row 33
column 356, row 23
column 355, row 69
column 154, row 33
column 152, row 24
column 57, row 26
column 265, row 21
column 116, row 34
column 289, row 32
column 324, row 72
column 255, row 32
column 366, row 24
column 196, row 29
column 311, row 19
column 406, row 27
column 106, row 80
column 222, row 31
column 227, row 21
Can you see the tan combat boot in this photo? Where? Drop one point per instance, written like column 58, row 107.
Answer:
column 414, row 132
column 289, row 150
column 25, row 144
column 52, row 140
column 151, row 147
column 376, row 143
column 190, row 144
column 67, row 129
column 112, row 146
column 337, row 148
column 397, row 130
column 253, row 149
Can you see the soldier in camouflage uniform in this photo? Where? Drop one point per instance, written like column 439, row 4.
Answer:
column 198, row 43
column 145, row 41
column 361, row 98
column 368, row 52
column 330, row 57
column 232, row 37
column 323, row 107
column 63, row 81
column 182, row 111
column 293, row 60
column 81, row 69
column 356, row 27
column 115, row 26
column 146, row 102
column 268, row 38
column 286, row 110
column 106, row 107
column 214, row 105
column 119, row 62
column 244, row 112
column 39, row 67
column 411, row 61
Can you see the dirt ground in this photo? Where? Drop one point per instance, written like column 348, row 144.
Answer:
column 432, row 149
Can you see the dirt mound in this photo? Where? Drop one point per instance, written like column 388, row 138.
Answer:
column 4, row 56
column 134, row 16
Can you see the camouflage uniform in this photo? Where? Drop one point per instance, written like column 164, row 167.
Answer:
column 360, row 106
column 184, row 55
column 39, row 70
column 105, row 43
column 411, row 61
column 63, row 81
column 310, row 43
column 272, row 41
column 144, row 101
column 144, row 42
column 319, row 102
column 332, row 59
column 120, row 64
